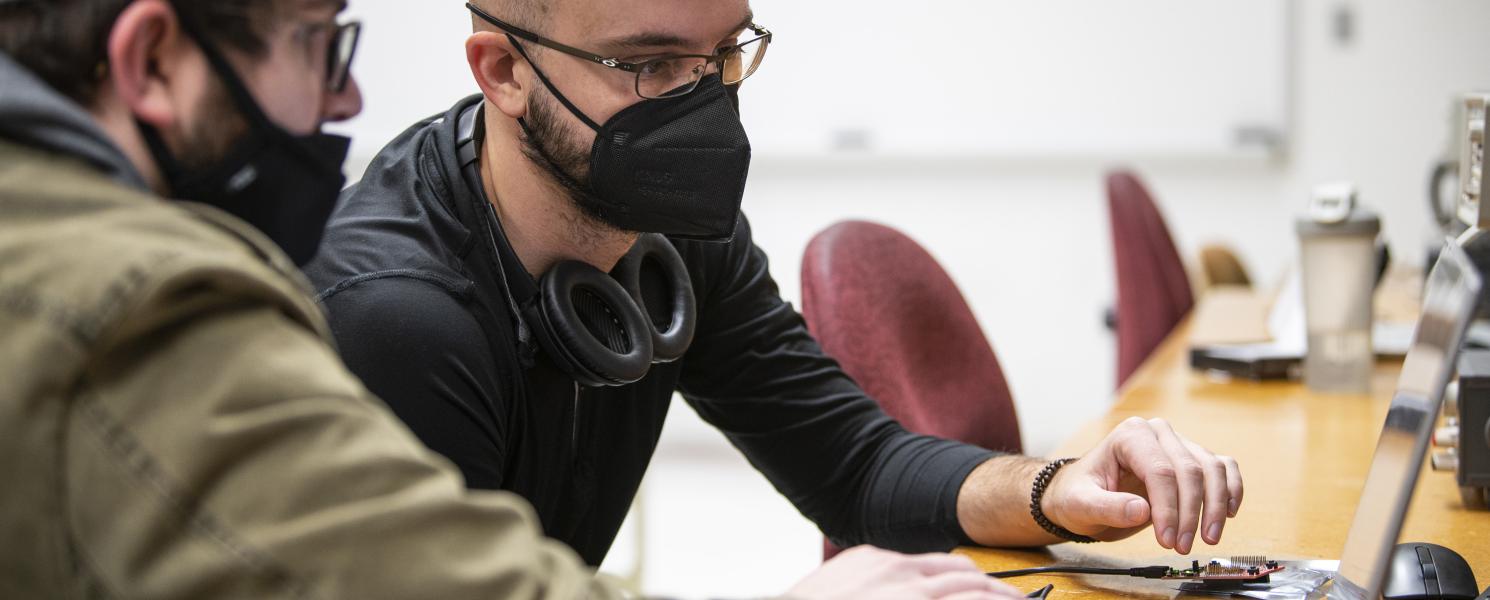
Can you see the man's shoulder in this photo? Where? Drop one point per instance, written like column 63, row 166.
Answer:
column 712, row 264
column 100, row 254
column 412, row 294
column 400, row 312
column 404, row 215
column 413, row 342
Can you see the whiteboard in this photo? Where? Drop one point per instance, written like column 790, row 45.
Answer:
column 1020, row 78
column 1108, row 78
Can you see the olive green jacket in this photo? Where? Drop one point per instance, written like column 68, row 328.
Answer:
column 174, row 423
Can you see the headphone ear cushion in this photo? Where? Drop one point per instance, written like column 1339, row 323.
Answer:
column 657, row 279
column 590, row 326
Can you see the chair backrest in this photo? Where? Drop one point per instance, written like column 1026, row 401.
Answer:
column 1153, row 291
column 881, row 306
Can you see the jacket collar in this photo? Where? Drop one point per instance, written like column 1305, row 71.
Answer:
column 35, row 115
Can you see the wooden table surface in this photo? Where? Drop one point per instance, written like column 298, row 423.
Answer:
column 1304, row 458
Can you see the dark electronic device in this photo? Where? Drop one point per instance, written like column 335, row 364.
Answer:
column 1470, row 435
column 1245, row 363
column 1428, row 572
column 1457, row 182
column 1474, row 185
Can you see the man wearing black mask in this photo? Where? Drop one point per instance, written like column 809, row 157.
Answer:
column 527, row 279
column 173, row 420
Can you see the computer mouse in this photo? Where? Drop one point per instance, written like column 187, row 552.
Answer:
column 1421, row 571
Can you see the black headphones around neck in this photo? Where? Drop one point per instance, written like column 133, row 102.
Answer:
column 601, row 330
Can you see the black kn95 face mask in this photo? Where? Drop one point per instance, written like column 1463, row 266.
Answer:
column 675, row 166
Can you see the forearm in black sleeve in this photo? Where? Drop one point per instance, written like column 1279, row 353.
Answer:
column 756, row 374
column 424, row 355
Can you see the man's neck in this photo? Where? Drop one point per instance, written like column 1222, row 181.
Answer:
column 119, row 125
column 543, row 226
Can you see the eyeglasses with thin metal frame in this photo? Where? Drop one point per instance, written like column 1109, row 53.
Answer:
column 755, row 48
column 339, row 55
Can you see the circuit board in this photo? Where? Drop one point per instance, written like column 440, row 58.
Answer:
column 1239, row 570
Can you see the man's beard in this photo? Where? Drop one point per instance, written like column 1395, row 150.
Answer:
column 219, row 125
column 547, row 141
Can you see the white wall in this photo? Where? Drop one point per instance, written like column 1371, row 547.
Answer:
column 1025, row 238
column 1148, row 75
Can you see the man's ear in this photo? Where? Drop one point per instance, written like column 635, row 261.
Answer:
column 500, row 71
column 148, row 54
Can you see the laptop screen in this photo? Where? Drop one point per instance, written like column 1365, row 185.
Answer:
column 1449, row 298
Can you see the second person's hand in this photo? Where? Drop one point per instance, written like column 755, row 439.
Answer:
column 868, row 573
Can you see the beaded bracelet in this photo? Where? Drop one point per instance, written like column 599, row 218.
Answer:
column 1038, row 491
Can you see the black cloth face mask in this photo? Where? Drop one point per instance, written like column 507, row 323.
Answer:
column 674, row 166
column 283, row 184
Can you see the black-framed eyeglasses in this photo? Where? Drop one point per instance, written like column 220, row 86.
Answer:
column 339, row 56
column 666, row 76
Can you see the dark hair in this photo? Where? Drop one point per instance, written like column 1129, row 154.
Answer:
column 65, row 42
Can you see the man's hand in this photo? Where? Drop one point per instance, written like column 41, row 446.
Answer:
column 867, row 573
column 1142, row 472
column 1145, row 471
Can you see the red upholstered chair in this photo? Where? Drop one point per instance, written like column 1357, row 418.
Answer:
column 1153, row 291
column 882, row 306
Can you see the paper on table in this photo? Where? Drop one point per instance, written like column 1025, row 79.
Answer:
column 1286, row 329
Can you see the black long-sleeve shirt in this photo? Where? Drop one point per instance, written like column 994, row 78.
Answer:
column 412, row 270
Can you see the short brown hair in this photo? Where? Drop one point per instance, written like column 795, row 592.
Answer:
column 528, row 14
column 64, row 42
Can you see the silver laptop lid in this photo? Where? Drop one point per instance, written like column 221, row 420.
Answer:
column 1449, row 298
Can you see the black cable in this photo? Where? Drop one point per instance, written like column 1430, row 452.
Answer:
column 1150, row 572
